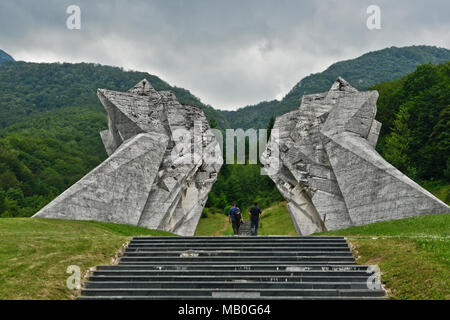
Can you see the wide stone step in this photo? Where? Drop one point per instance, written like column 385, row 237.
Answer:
column 228, row 278
column 243, row 297
column 227, row 285
column 233, row 263
column 231, row 268
column 238, row 239
column 219, row 238
column 239, row 246
column 215, row 273
column 241, row 241
column 234, row 253
column 220, row 293
column 242, row 259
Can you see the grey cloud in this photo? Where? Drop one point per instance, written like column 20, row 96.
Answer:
column 228, row 53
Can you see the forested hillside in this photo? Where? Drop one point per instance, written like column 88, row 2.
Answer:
column 415, row 113
column 30, row 88
column 363, row 72
column 50, row 118
column 4, row 57
column 44, row 155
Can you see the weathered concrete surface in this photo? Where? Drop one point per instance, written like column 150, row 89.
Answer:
column 329, row 171
column 163, row 161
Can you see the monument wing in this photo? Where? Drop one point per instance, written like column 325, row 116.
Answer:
column 329, row 171
column 159, row 170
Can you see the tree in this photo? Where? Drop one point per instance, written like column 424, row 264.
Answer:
column 397, row 143
column 270, row 126
column 2, row 201
column 415, row 115
column 213, row 123
column 16, row 194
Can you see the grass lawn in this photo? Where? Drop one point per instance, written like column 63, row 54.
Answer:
column 413, row 254
column 276, row 220
column 216, row 224
column 439, row 189
column 35, row 253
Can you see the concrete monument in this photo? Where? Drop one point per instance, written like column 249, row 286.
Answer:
column 163, row 160
column 328, row 169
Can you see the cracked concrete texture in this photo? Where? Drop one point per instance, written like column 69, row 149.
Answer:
column 329, row 171
column 163, row 161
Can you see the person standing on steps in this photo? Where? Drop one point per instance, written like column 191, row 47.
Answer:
column 235, row 218
column 255, row 216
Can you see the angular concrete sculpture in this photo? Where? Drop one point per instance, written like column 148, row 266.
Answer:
column 163, row 160
column 328, row 170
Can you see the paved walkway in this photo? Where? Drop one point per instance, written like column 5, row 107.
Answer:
column 244, row 230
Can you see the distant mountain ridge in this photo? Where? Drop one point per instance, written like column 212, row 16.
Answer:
column 362, row 72
column 28, row 88
column 4, row 57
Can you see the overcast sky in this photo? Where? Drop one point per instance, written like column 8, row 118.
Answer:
column 228, row 53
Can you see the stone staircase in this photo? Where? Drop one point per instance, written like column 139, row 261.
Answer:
column 233, row 268
column 244, row 229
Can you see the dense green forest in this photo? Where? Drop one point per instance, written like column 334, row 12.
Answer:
column 30, row 88
column 415, row 113
column 363, row 72
column 46, row 154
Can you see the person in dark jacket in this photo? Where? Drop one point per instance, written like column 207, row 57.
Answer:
column 255, row 216
column 235, row 218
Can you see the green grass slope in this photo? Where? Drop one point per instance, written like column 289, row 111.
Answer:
column 413, row 254
column 35, row 253
column 276, row 220
column 213, row 223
